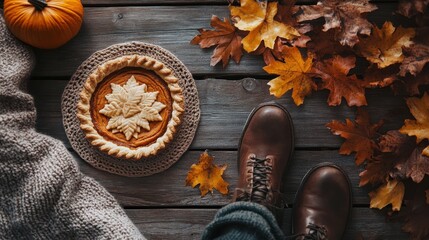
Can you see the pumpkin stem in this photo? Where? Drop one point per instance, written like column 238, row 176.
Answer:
column 38, row 4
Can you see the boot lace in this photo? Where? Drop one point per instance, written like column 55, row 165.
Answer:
column 260, row 178
column 316, row 233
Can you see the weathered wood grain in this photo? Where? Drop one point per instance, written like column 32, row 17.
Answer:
column 190, row 223
column 168, row 188
column 171, row 27
column 225, row 105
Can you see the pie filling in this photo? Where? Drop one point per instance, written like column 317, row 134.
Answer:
column 131, row 107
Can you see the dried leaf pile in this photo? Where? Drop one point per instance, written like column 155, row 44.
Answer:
column 315, row 48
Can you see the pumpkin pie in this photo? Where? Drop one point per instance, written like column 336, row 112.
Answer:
column 130, row 107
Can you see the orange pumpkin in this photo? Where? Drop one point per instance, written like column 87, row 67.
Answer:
column 43, row 24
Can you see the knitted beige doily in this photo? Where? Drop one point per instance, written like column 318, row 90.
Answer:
column 146, row 166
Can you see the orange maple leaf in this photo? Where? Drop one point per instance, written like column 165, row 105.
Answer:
column 334, row 73
column 207, row 175
column 419, row 108
column 384, row 46
column 359, row 135
column 294, row 74
column 390, row 193
column 258, row 18
column 226, row 38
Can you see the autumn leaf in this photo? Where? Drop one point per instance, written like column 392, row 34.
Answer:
column 416, row 57
column 416, row 212
column 412, row 83
column 379, row 78
column 324, row 43
column 410, row 8
column 294, row 74
column 397, row 156
column 404, row 155
column 285, row 14
column 384, row 46
column 419, row 108
column 207, row 175
column 359, row 135
column 344, row 15
column 334, row 73
column 391, row 147
column 401, row 153
column 270, row 55
column 390, row 193
column 258, row 18
column 226, row 38
column 376, row 171
column 415, row 166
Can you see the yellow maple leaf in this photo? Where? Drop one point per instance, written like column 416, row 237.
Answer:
column 207, row 175
column 419, row 127
column 391, row 192
column 258, row 18
column 294, row 74
column 384, row 46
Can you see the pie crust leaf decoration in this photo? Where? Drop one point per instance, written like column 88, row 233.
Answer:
column 130, row 107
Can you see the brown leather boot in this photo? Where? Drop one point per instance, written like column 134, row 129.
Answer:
column 322, row 204
column 265, row 148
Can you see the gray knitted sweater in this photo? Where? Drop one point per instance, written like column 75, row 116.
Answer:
column 43, row 195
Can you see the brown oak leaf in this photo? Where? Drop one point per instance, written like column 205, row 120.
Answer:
column 384, row 46
column 399, row 158
column 416, row 212
column 412, row 83
column 270, row 55
column 417, row 55
column 419, row 108
column 286, row 10
column 359, row 135
column 324, row 43
column 392, row 192
column 344, row 15
column 207, row 175
column 396, row 144
column 225, row 36
column 376, row 171
column 258, row 18
column 391, row 147
column 334, row 73
column 294, row 74
column 410, row 8
column 379, row 78
column 414, row 166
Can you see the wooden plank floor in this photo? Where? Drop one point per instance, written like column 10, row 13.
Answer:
column 160, row 205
